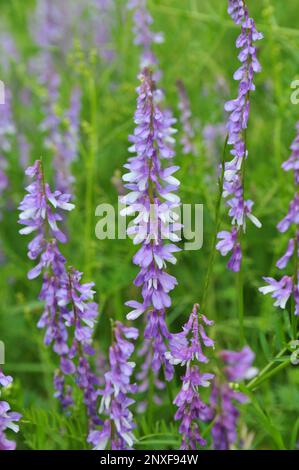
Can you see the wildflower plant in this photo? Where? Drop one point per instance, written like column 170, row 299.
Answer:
column 234, row 171
column 8, row 418
column 69, row 310
column 186, row 349
column 117, row 429
column 152, row 188
column 287, row 286
column 225, row 399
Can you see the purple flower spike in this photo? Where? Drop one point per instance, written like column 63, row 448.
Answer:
column 238, row 109
column 224, row 398
column 69, row 312
column 8, row 418
column 287, row 286
column 186, row 349
column 116, row 432
column 152, row 196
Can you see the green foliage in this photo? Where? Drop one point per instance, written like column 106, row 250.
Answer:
column 199, row 48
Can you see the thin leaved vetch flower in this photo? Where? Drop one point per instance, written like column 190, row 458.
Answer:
column 144, row 37
column 69, row 310
column 188, row 133
column 186, row 349
column 117, row 430
column 224, row 399
column 152, row 196
column 238, row 109
column 8, row 418
column 288, row 285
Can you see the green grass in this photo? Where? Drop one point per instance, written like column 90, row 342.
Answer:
column 199, row 48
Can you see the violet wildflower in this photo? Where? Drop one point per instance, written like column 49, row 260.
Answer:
column 186, row 349
column 188, row 134
column 224, row 398
column 238, row 109
column 152, row 187
column 117, row 428
column 68, row 304
column 287, row 286
column 8, row 418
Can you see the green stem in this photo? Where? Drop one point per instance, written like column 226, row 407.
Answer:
column 240, row 304
column 267, row 376
column 90, row 170
column 151, row 391
column 265, row 370
column 217, row 226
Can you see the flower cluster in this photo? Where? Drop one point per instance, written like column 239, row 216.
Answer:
column 8, row 419
column 117, row 428
column 223, row 396
column 186, row 349
column 152, row 187
column 238, row 109
column 188, row 134
column 288, row 285
column 69, row 311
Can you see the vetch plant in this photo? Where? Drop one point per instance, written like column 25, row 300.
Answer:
column 238, row 109
column 152, row 188
column 224, row 397
column 69, row 310
column 8, row 418
column 186, row 349
column 287, row 286
column 116, row 401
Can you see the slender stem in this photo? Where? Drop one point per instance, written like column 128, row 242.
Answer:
column 217, row 225
column 265, row 370
column 151, row 391
column 90, row 169
column 240, row 304
column 267, row 376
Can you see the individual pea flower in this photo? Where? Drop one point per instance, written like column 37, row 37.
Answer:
column 188, row 134
column 186, row 349
column 8, row 418
column 238, row 109
column 152, row 187
column 69, row 310
column 281, row 290
column 117, row 430
column 224, row 398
